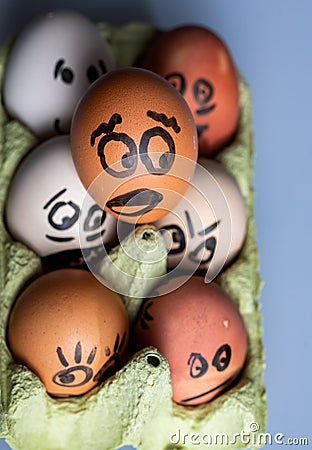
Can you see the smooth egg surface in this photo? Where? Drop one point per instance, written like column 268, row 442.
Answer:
column 47, row 207
column 199, row 65
column 201, row 332
column 207, row 229
column 134, row 144
column 52, row 63
column 70, row 330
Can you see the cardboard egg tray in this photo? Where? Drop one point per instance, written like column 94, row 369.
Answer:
column 134, row 406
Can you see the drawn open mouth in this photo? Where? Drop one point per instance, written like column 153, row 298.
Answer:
column 58, row 128
column 201, row 129
column 148, row 198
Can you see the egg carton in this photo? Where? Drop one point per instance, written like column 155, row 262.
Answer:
column 134, row 406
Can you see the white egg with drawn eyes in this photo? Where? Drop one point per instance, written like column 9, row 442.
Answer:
column 51, row 64
column 207, row 228
column 49, row 210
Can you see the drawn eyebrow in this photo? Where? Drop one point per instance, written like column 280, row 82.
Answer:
column 78, row 355
column 168, row 122
column 61, row 356
column 54, row 198
column 189, row 224
column 59, row 64
column 105, row 128
column 209, row 229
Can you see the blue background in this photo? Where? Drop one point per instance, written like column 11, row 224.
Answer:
column 271, row 42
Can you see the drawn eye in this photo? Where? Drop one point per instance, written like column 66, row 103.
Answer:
column 222, row 358
column 126, row 157
column 178, row 243
column 115, row 158
column 65, row 73
column 93, row 73
column 146, row 316
column 78, row 374
column 157, row 150
column 199, row 365
column 178, row 81
column 95, row 218
column 204, row 252
column 203, row 91
column 63, row 215
column 74, row 376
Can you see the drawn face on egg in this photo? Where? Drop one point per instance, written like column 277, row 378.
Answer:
column 198, row 64
column 204, row 240
column 207, row 229
column 52, row 63
column 200, row 331
column 69, row 356
column 81, row 372
column 202, row 97
column 58, row 214
column 63, row 214
column 134, row 144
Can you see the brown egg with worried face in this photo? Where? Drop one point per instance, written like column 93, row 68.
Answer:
column 134, row 144
column 200, row 331
column 199, row 65
column 70, row 330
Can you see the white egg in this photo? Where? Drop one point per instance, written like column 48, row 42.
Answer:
column 47, row 207
column 208, row 227
column 51, row 65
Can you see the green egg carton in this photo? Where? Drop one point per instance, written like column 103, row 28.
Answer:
column 134, row 406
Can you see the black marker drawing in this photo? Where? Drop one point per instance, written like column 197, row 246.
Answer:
column 203, row 92
column 93, row 73
column 199, row 365
column 170, row 122
column 66, row 74
column 112, row 364
column 148, row 198
column 146, row 316
column 197, row 255
column 222, row 358
column 94, row 221
column 129, row 159
column 178, row 238
column 166, row 159
column 178, row 81
column 67, row 221
column 67, row 377
column 203, row 394
column 64, row 214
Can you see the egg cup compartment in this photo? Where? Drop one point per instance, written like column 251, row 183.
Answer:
column 134, row 406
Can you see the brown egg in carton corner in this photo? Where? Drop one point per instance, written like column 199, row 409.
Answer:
column 134, row 406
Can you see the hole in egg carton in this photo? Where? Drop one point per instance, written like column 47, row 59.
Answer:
column 15, row 276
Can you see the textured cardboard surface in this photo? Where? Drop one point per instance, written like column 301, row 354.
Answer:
column 135, row 405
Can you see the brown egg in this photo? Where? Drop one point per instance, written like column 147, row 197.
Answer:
column 200, row 331
column 198, row 63
column 134, row 144
column 68, row 329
